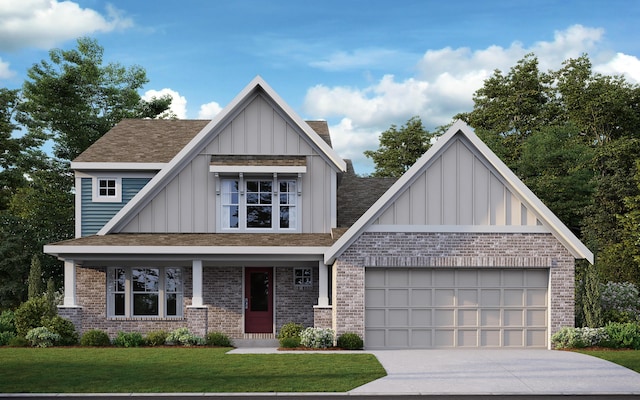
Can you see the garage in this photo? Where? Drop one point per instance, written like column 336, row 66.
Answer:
column 463, row 307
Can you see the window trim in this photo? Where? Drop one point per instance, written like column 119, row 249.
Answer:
column 303, row 284
column 276, row 179
column 129, row 293
column 95, row 184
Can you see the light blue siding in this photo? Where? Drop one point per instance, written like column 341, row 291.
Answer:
column 96, row 215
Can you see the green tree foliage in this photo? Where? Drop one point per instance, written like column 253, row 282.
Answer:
column 400, row 148
column 35, row 278
column 572, row 136
column 76, row 99
column 591, row 306
column 73, row 99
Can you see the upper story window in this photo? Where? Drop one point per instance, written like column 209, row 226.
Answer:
column 107, row 190
column 259, row 203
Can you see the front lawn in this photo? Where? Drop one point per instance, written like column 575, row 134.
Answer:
column 171, row 370
column 626, row 358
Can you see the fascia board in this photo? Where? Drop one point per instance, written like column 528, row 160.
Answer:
column 116, row 166
column 258, row 169
column 181, row 250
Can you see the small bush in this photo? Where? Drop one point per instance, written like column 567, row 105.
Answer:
column 7, row 322
column 182, row 336
column 64, row 328
column 317, row 338
column 128, row 339
column 290, row 329
column 218, row 339
column 622, row 336
column 575, row 338
column 620, row 302
column 42, row 337
column 156, row 338
column 18, row 341
column 350, row 341
column 5, row 338
column 30, row 314
column 95, row 338
column 290, row 342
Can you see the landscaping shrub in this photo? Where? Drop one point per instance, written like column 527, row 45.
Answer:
column 128, row 339
column 620, row 336
column 574, row 338
column 156, row 338
column 7, row 322
column 95, row 338
column 290, row 330
column 218, row 339
column 350, row 341
column 18, row 341
column 42, row 337
column 30, row 313
column 317, row 338
column 182, row 336
column 620, row 302
column 290, row 342
column 64, row 328
column 6, row 337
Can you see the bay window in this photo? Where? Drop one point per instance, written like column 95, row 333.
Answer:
column 144, row 292
column 259, row 203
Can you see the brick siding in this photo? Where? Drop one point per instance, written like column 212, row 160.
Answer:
column 294, row 304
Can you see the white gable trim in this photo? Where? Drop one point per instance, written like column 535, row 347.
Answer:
column 548, row 219
column 194, row 146
column 459, row 228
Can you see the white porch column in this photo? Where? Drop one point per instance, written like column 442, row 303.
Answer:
column 69, row 283
column 197, row 301
column 323, row 285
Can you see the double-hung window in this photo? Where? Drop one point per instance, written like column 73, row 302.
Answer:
column 259, row 203
column 144, row 292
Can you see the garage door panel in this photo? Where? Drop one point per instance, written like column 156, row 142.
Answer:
column 536, row 297
column 431, row 307
column 445, row 297
column 421, row 297
column 421, row 317
column 468, row 297
column 467, row 317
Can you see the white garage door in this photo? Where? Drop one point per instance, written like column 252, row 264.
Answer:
column 434, row 308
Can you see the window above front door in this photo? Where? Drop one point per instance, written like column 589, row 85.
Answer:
column 259, row 204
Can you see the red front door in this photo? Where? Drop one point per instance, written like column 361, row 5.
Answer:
column 258, row 300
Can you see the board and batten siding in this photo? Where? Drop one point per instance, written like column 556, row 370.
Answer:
column 188, row 203
column 94, row 214
column 458, row 188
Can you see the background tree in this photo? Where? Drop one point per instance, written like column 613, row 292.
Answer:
column 400, row 148
column 73, row 99
column 35, row 278
column 76, row 99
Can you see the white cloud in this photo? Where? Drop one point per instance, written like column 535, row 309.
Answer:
column 178, row 103
column 5, row 71
column 442, row 86
column 44, row 23
column 360, row 58
column 622, row 64
column 209, row 110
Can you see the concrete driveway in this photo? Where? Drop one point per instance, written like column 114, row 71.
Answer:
column 489, row 372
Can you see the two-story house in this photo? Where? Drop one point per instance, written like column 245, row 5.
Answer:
column 251, row 220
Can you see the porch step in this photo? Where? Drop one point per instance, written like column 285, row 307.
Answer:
column 256, row 342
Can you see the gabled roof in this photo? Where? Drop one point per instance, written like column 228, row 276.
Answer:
column 214, row 127
column 544, row 215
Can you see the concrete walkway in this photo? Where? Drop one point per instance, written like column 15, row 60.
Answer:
column 492, row 372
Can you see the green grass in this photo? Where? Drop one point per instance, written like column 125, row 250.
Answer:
column 626, row 358
column 172, row 370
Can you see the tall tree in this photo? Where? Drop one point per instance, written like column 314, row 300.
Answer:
column 35, row 278
column 400, row 148
column 76, row 99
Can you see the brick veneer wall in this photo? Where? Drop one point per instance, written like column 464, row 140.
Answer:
column 294, row 304
column 222, row 294
column 91, row 294
column 449, row 250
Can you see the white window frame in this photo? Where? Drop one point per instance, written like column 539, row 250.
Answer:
column 163, row 293
column 225, row 202
column 97, row 198
column 302, row 277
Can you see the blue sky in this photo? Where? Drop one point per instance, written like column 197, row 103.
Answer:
column 360, row 65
